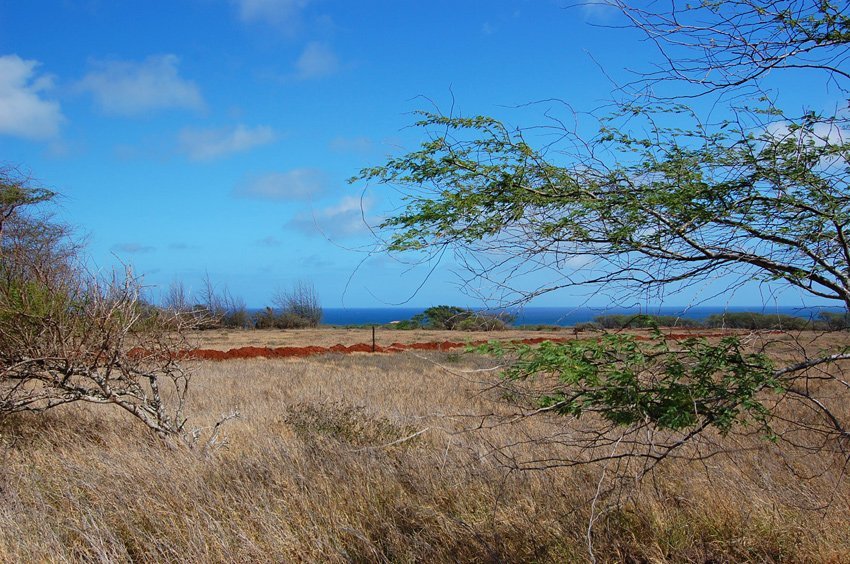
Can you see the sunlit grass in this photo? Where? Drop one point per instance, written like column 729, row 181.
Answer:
column 381, row 458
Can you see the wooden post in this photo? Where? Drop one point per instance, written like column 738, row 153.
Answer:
column 373, row 338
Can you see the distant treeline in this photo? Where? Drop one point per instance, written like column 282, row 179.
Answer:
column 456, row 318
column 825, row 321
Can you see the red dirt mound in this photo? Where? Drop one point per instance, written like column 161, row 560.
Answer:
column 289, row 352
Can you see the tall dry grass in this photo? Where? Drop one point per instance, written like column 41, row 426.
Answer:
column 385, row 458
column 223, row 339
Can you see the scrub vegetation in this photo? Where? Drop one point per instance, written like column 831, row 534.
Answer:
column 630, row 443
column 387, row 458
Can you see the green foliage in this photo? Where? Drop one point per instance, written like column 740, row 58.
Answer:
column 686, row 386
column 835, row 321
column 407, row 324
column 237, row 318
column 756, row 321
column 676, row 204
column 658, row 200
column 622, row 321
column 444, row 317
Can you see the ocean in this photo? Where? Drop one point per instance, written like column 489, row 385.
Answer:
column 563, row 316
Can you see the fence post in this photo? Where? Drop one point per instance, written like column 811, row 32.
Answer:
column 373, row 338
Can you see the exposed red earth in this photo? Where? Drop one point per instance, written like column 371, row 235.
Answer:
column 289, row 352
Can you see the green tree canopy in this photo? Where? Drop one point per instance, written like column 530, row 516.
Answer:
column 661, row 197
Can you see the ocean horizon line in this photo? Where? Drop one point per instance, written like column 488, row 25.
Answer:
column 563, row 316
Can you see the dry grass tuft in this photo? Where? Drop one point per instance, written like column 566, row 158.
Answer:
column 328, row 463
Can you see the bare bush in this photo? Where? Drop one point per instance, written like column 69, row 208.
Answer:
column 299, row 306
column 67, row 335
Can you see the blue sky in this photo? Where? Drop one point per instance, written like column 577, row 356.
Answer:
column 216, row 136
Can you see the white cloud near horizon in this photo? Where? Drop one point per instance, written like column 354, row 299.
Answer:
column 316, row 61
column 296, row 184
column 343, row 219
column 24, row 112
column 208, row 144
column 132, row 88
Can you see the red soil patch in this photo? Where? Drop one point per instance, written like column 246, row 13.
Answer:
column 289, row 352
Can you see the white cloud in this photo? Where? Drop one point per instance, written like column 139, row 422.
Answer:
column 821, row 134
column 488, row 28
column 132, row 248
column 282, row 13
column 132, row 88
column 599, row 9
column 317, row 60
column 207, row 144
column 341, row 220
column 296, row 184
column 351, row 145
column 23, row 110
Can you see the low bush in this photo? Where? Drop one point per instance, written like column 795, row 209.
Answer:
column 445, row 317
column 755, row 321
column 642, row 321
column 834, row 321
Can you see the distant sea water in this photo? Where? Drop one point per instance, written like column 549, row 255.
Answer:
column 562, row 316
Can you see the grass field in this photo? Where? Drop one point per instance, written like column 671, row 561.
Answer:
column 223, row 339
column 394, row 458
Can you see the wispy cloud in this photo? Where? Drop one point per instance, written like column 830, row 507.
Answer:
column 598, row 9
column 360, row 145
column 181, row 246
column 208, row 144
column 316, row 61
column 284, row 14
column 344, row 219
column 132, row 88
column 132, row 248
column 270, row 241
column 821, row 134
column 24, row 112
column 296, row 184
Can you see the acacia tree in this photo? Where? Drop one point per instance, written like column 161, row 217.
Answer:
column 69, row 336
column 658, row 200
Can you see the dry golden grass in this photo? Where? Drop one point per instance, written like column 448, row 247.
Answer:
column 223, row 339
column 318, row 469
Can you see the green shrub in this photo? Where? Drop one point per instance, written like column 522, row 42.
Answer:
column 643, row 321
column 834, row 321
column 237, row 318
column 457, row 318
column 755, row 321
column 407, row 324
